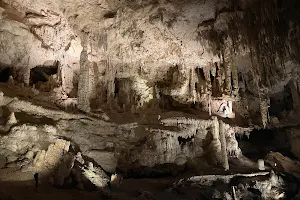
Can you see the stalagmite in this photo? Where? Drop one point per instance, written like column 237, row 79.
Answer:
column 264, row 107
column 11, row 80
column 261, row 164
column 215, row 127
column 223, row 146
column 216, row 144
column 11, row 119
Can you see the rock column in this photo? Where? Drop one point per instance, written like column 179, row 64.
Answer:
column 83, row 85
column 223, row 146
column 215, row 144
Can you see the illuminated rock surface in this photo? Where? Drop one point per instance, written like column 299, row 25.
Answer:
column 171, row 95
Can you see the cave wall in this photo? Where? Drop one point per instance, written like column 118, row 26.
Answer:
column 191, row 52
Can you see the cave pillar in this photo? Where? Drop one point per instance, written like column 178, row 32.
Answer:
column 83, row 85
column 26, row 76
column 223, row 146
column 192, row 85
column 264, row 111
column 215, row 144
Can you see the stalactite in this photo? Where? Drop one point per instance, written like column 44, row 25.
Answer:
column 228, row 86
column 223, row 146
column 235, row 80
column 263, row 30
column 220, row 79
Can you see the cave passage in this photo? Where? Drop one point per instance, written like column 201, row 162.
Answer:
column 280, row 102
column 42, row 73
column 261, row 142
column 4, row 74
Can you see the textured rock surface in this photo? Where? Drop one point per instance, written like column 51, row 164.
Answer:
column 148, row 89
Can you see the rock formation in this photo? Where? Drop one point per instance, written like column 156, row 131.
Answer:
column 94, row 91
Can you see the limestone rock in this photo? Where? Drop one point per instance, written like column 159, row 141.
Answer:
column 106, row 160
column 277, row 160
column 38, row 162
column 261, row 164
column 64, row 169
column 11, row 119
column 89, row 177
column 115, row 180
column 29, row 155
column 2, row 161
column 48, row 161
column 55, row 153
column 11, row 80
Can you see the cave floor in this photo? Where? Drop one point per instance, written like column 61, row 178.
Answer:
column 15, row 184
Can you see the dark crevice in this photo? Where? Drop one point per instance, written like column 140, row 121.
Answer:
column 261, row 142
column 5, row 73
column 42, row 73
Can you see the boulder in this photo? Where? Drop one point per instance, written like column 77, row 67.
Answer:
column 105, row 159
column 55, row 153
column 48, row 161
column 64, row 169
column 115, row 180
column 277, row 160
column 89, row 177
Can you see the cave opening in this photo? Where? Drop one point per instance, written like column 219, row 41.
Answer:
column 183, row 141
column 281, row 102
column 4, row 74
column 261, row 142
column 42, row 73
